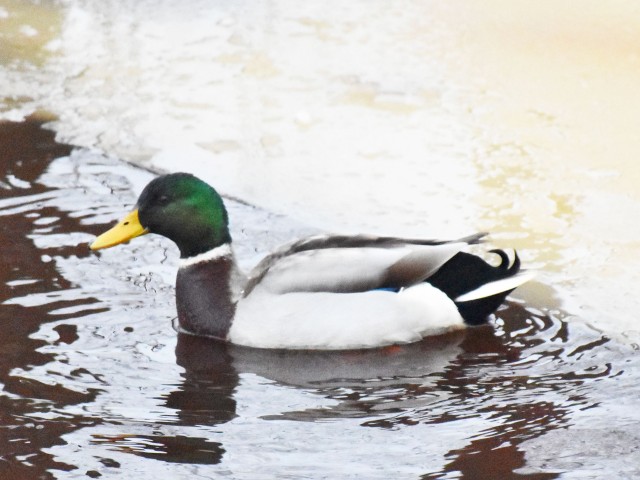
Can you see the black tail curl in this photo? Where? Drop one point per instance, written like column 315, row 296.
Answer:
column 466, row 272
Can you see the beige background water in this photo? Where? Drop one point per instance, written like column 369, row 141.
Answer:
column 415, row 117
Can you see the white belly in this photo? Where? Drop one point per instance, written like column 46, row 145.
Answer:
column 342, row 321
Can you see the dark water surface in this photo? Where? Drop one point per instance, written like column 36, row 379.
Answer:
column 96, row 383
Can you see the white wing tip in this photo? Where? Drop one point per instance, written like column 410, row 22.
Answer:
column 498, row 286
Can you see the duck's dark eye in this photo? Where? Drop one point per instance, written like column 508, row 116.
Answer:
column 163, row 200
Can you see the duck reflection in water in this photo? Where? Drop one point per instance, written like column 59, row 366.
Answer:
column 359, row 380
column 440, row 379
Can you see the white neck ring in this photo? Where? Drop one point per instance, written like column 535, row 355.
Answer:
column 214, row 254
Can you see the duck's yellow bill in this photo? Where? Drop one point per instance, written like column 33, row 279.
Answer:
column 129, row 227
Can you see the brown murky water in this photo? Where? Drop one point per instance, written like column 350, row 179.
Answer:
column 96, row 383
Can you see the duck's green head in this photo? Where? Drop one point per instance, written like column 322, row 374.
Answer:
column 178, row 206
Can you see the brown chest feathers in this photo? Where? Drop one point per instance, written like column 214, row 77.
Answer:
column 204, row 297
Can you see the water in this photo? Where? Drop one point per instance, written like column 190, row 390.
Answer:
column 97, row 383
column 427, row 118
column 424, row 118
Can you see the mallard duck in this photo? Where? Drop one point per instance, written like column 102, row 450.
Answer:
column 321, row 292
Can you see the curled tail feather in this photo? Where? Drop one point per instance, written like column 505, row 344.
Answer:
column 476, row 287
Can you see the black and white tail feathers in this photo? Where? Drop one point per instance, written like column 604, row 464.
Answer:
column 476, row 287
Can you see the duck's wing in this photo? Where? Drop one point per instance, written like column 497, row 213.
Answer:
column 347, row 264
column 318, row 242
